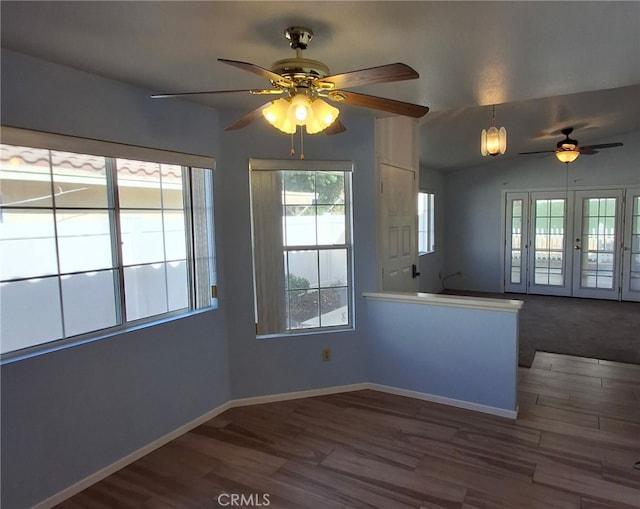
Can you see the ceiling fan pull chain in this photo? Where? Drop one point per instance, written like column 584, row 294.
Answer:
column 293, row 150
column 302, row 143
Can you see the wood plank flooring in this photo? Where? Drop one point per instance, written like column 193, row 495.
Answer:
column 573, row 446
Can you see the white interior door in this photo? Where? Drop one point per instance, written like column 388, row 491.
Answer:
column 398, row 228
column 631, row 247
column 549, row 233
column 596, row 244
column 516, row 242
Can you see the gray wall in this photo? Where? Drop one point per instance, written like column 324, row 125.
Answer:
column 69, row 413
column 270, row 366
column 473, row 203
column 72, row 412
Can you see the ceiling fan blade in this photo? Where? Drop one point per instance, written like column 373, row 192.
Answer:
column 267, row 91
column 260, row 71
column 602, row 145
column 378, row 103
column 336, row 128
column 536, row 152
column 381, row 74
column 247, row 119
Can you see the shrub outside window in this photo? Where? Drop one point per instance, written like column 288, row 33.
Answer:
column 302, row 249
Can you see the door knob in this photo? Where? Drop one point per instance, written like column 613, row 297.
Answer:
column 414, row 271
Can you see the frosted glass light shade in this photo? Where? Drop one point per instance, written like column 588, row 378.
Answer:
column 493, row 141
column 286, row 114
column 277, row 115
column 567, row 156
column 323, row 116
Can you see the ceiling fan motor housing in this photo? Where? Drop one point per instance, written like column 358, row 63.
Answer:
column 299, row 37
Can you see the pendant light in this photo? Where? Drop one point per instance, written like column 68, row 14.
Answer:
column 493, row 141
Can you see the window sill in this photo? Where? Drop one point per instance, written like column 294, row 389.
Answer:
column 305, row 332
column 63, row 344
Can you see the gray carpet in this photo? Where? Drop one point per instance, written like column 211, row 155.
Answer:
column 599, row 329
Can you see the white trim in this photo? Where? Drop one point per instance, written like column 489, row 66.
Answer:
column 296, row 164
column 98, row 476
column 457, row 301
column 286, row 396
column 442, row 400
column 77, row 144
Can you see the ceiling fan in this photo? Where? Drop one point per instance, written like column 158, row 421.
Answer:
column 567, row 150
column 304, row 84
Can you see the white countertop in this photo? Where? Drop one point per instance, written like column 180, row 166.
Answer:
column 459, row 301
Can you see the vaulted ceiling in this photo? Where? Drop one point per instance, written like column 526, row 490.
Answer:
column 546, row 65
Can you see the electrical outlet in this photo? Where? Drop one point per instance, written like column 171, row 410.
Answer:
column 326, row 354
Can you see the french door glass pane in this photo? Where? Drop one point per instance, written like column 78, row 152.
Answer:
column 598, row 243
column 516, row 241
column 549, row 242
column 635, row 247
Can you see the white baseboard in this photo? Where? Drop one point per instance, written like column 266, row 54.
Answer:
column 127, row 460
column 285, row 396
column 271, row 398
column 467, row 405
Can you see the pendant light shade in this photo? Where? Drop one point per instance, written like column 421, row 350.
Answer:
column 286, row 114
column 493, row 141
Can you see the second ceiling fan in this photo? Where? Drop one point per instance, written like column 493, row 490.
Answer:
column 567, row 150
column 304, row 84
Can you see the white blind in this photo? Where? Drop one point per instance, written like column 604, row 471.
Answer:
column 52, row 141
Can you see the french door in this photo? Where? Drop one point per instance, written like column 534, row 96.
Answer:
column 596, row 245
column 576, row 243
column 631, row 247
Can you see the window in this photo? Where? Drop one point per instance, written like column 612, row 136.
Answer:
column 90, row 243
column 301, row 214
column 426, row 235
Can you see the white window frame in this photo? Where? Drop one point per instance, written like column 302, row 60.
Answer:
column 426, row 222
column 195, row 167
column 269, row 278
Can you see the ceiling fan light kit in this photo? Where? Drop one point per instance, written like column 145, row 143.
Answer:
column 493, row 141
column 287, row 114
column 567, row 150
column 567, row 155
column 307, row 88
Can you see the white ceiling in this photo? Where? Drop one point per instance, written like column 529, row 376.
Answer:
column 546, row 65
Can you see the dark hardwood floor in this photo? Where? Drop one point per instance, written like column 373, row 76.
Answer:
column 573, row 445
